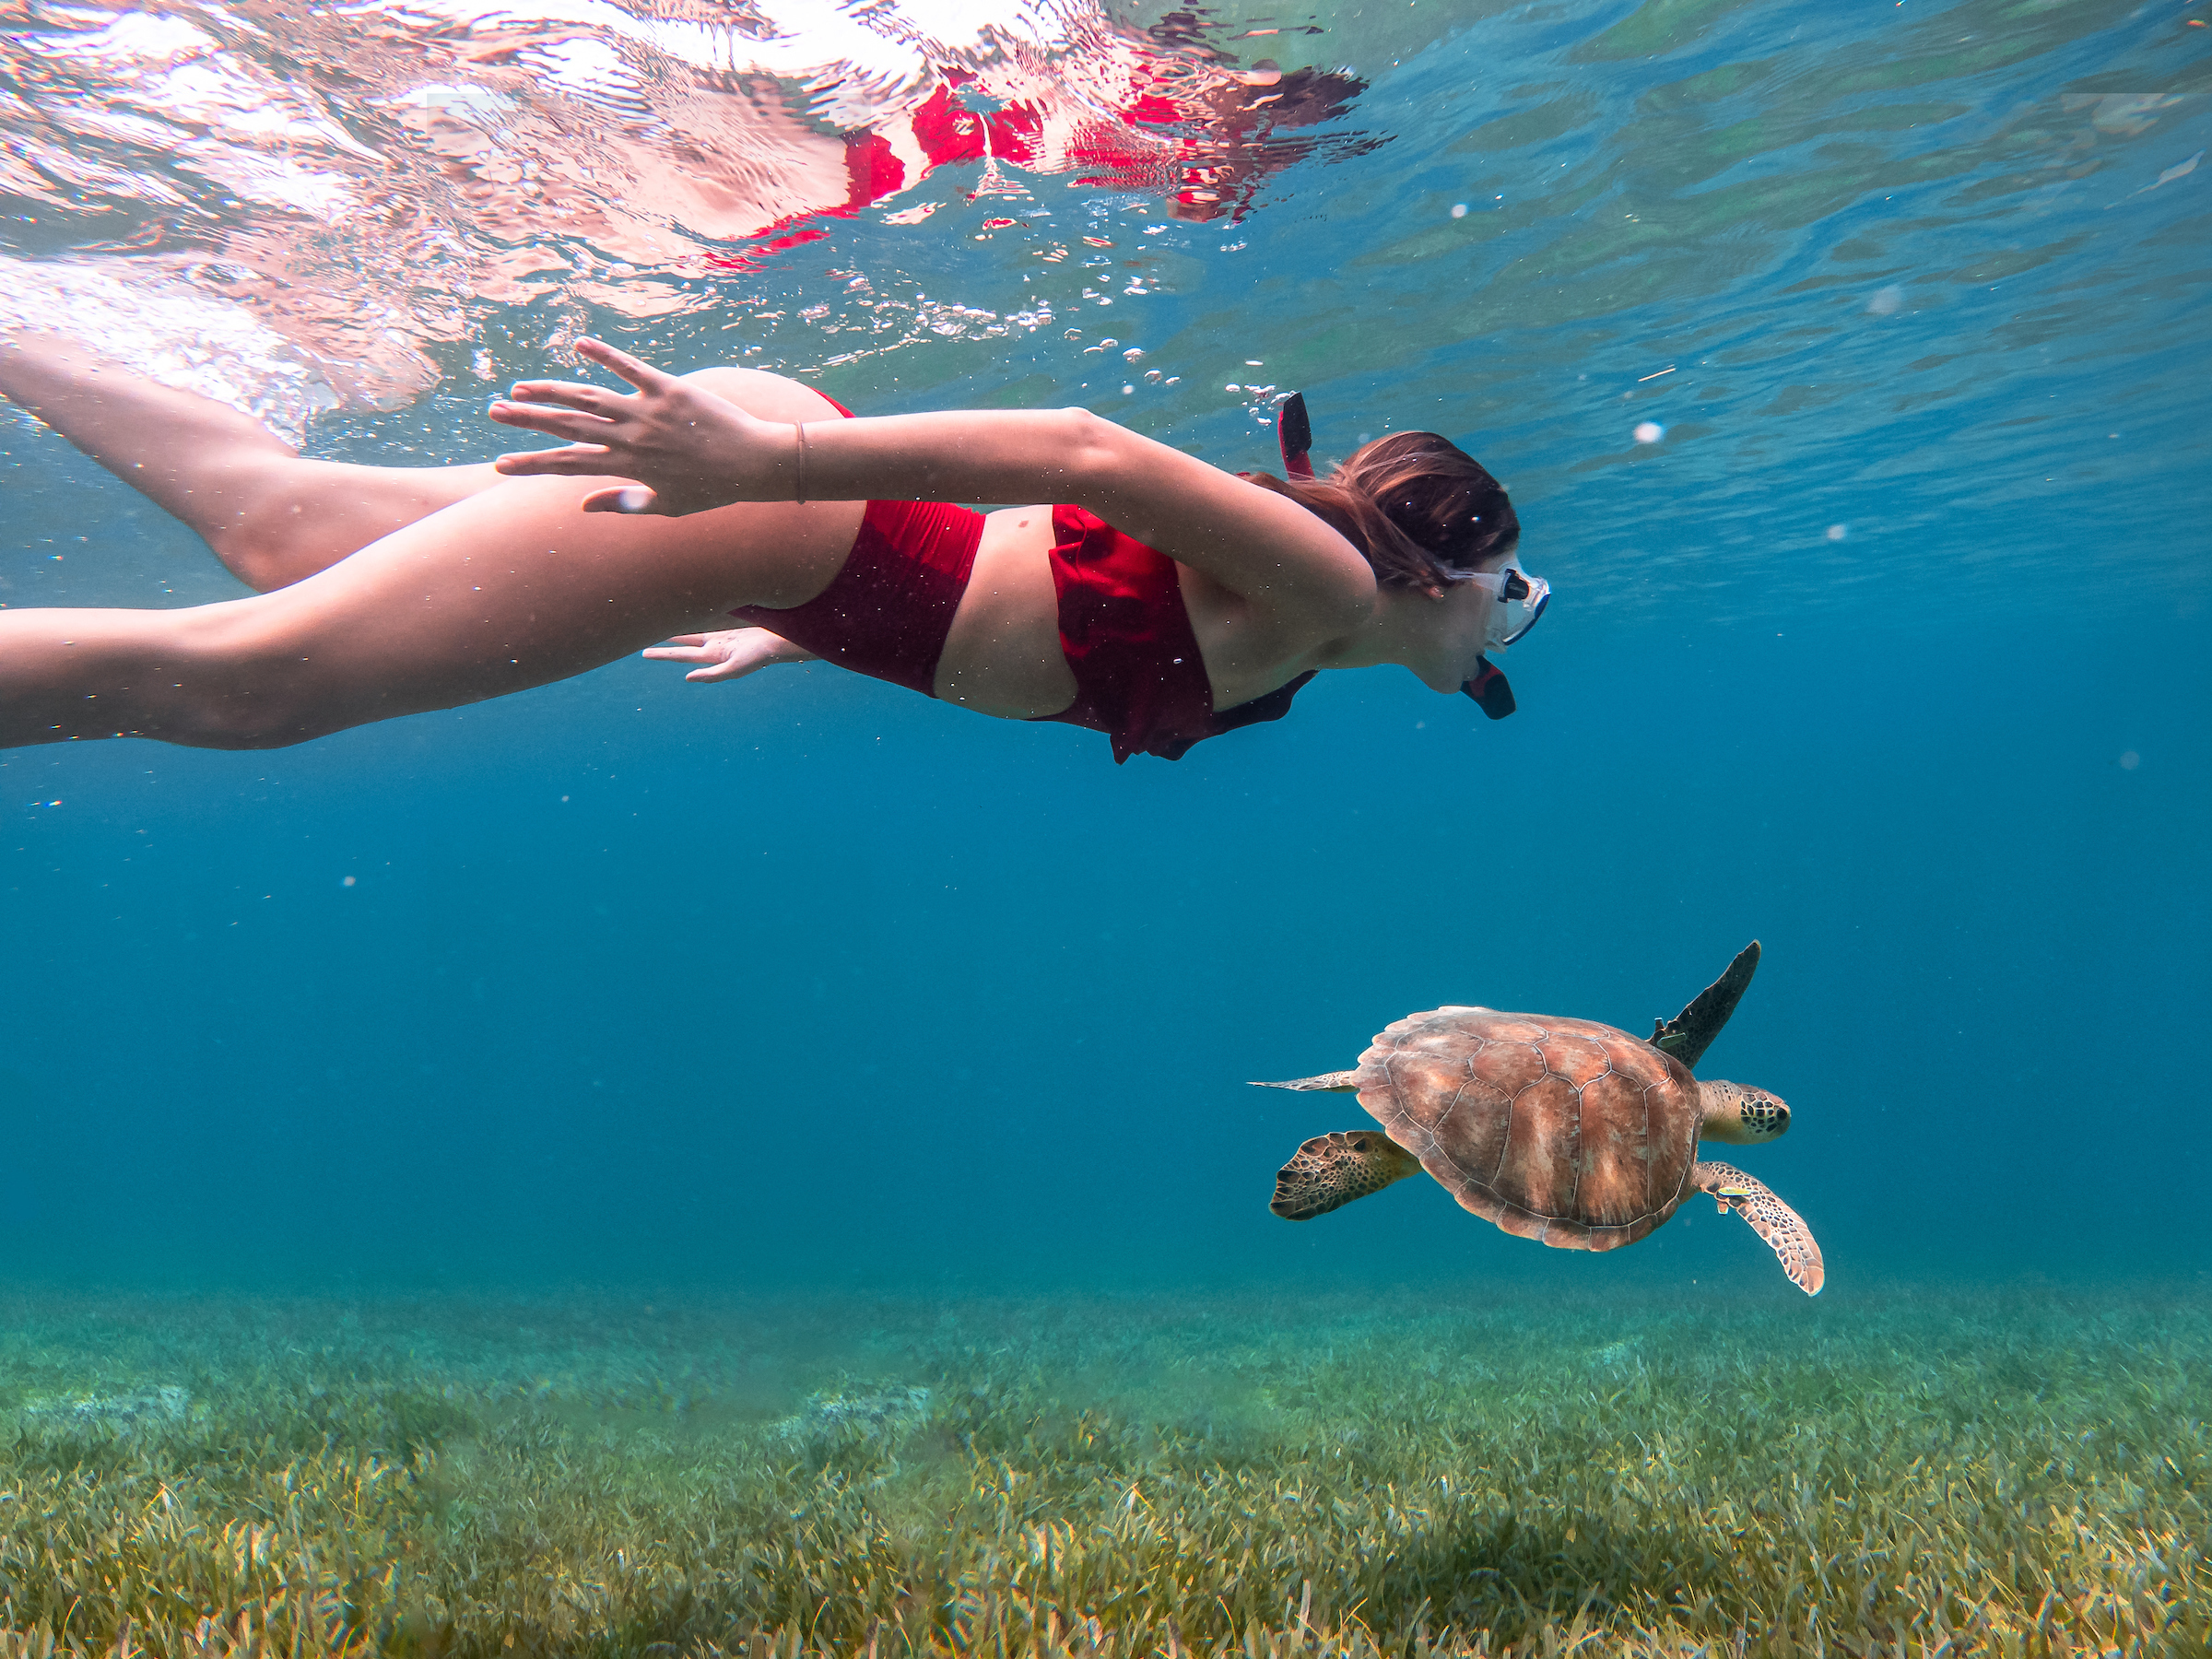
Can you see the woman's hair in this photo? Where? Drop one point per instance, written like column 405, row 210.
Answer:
column 1421, row 508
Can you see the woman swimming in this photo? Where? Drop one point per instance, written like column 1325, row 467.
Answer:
column 1166, row 602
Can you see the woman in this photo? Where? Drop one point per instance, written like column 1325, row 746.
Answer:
column 1169, row 601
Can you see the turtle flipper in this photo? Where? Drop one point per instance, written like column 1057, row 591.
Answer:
column 1330, row 1171
column 1341, row 1082
column 1783, row 1230
column 1690, row 1034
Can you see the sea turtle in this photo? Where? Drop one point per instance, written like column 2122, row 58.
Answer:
column 1560, row 1130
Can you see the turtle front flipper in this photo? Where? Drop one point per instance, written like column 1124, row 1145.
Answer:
column 1690, row 1034
column 1783, row 1230
column 1330, row 1171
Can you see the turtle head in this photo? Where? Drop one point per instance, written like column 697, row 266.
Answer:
column 1741, row 1116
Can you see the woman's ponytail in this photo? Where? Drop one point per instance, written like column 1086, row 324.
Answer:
column 1421, row 510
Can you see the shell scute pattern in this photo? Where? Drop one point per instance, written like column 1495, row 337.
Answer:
column 1575, row 1057
column 1616, row 1152
column 1542, row 1166
column 1560, row 1130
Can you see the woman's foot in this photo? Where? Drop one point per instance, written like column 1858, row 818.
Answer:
column 270, row 516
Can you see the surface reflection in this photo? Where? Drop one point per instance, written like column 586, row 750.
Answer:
column 366, row 181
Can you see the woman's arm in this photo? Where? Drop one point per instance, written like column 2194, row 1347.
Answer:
column 691, row 450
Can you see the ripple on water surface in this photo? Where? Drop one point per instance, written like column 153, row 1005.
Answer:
column 1900, row 265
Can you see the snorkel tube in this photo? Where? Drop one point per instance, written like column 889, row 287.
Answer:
column 1294, row 436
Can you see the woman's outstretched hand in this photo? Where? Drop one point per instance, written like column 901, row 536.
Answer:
column 687, row 449
column 730, row 654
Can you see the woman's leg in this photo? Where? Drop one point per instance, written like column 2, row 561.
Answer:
column 271, row 517
column 507, row 588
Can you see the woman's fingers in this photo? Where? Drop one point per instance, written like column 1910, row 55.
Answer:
column 576, row 426
column 622, row 498
column 642, row 375
column 714, row 664
column 572, row 394
column 730, row 668
column 727, row 656
column 575, row 461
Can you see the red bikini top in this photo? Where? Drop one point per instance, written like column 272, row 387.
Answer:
column 1122, row 627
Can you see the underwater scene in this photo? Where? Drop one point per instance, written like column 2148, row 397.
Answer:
column 633, row 1165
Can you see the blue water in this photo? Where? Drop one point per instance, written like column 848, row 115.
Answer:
column 1889, row 653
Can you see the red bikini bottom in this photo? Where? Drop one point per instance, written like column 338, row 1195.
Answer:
column 887, row 612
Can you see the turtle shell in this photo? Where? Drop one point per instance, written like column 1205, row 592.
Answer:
column 1562, row 1130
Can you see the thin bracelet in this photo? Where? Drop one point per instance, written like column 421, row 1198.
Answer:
column 800, row 498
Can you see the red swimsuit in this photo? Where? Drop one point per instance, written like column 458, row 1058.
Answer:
column 1123, row 626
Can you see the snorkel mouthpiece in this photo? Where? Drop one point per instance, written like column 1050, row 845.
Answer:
column 1294, row 433
column 1489, row 691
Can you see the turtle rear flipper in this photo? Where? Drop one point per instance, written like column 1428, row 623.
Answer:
column 1783, row 1230
column 1336, row 1082
column 1690, row 1034
column 1330, row 1171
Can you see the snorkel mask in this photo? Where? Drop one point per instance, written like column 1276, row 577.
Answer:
column 1517, row 598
